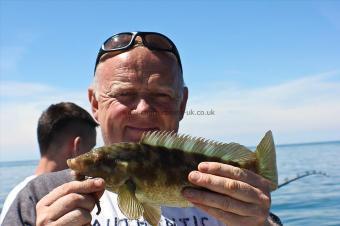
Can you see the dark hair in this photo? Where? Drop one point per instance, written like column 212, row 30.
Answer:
column 54, row 120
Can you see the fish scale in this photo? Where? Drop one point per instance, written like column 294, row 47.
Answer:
column 153, row 172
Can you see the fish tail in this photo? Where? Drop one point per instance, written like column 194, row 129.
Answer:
column 266, row 160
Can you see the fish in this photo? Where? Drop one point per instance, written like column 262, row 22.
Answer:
column 153, row 172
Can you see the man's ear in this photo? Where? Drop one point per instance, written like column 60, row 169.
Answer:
column 94, row 102
column 183, row 103
column 76, row 147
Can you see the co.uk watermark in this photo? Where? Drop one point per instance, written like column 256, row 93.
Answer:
column 192, row 112
column 187, row 112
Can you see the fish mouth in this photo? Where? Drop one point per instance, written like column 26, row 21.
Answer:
column 71, row 163
column 75, row 165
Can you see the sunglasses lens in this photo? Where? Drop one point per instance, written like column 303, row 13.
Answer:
column 157, row 42
column 123, row 41
column 117, row 41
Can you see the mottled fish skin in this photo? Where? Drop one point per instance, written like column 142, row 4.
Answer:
column 148, row 173
column 160, row 174
column 154, row 170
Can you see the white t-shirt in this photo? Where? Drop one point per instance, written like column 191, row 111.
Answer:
column 13, row 194
column 110, row 215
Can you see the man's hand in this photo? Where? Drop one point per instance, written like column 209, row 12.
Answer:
column 70, row 203
column 236, row 196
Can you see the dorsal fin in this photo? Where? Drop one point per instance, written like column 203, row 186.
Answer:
column 228, row 152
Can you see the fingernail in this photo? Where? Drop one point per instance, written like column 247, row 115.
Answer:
column 194, row 176
column 203, row 166
column 98, row 182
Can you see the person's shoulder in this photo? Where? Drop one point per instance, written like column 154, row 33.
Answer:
column 62, row 176
column 42, row 185
column 20, row 186
column 52, row 180
column 23, row 207
column 13, row 194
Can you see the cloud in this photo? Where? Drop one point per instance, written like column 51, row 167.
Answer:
column 21, row 105
column 12, row 89
column 301, row 110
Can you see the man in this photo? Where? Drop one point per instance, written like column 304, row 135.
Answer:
column 138, row 87
column 64, row 130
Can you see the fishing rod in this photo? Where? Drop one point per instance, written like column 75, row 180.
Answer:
column 307, row 173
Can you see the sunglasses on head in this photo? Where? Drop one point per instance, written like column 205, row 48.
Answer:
column 126, row 40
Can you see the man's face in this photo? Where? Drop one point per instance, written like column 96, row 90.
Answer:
column 137, row 91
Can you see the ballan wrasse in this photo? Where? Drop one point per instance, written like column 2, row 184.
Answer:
column 153, row 172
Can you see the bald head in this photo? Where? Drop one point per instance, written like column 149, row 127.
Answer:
column 137, row 91
column 139, row 59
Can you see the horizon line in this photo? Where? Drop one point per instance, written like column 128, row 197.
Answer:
column 250, row 147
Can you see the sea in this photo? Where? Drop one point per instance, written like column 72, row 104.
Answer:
column 311, row 200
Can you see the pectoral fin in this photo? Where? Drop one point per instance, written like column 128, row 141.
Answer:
column 152, row 214
column 128, row 203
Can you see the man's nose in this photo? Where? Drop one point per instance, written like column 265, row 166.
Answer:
column 143, row 107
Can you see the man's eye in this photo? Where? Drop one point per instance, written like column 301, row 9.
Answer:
column 162, row 96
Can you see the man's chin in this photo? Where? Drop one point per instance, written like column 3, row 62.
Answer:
column 134, row 134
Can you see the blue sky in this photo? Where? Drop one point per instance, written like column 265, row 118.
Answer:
column 258, row 64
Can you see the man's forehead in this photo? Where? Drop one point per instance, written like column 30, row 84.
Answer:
column 139, row 64
column 143, row 58
column 140, row 57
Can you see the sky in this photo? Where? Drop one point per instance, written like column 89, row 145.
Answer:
column 251, row 66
